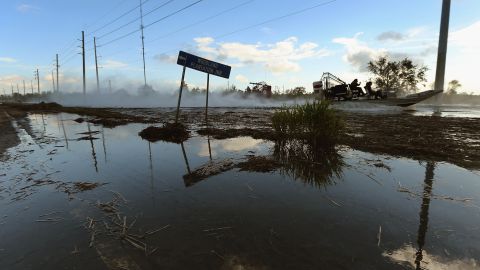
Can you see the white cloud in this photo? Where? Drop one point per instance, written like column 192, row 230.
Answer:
column 467, row 38
column 241, row 78
column 7, row 60
column 358, row 53
column 280, row 57
column 112, row 64
column 391, row 35
column 24, row 8
column 166, row 58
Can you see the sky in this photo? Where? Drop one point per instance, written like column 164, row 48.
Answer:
column 255, row 37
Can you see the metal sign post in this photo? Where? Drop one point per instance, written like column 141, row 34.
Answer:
column 206, row 103
column 201, row 64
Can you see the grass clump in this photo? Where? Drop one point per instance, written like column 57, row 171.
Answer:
column 317, row 122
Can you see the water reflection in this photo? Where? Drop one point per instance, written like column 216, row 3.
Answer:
column 317, row 167
column 422, row 228
column 94, row 155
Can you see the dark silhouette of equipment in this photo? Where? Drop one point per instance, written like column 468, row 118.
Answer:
column 332, row 87
column 260, row 88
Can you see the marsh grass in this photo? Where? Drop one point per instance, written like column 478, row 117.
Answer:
column 315, row 122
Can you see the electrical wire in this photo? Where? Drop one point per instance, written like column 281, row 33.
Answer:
column 118, row 18
column 150, row 24
column 202, row 21
column 190, row 25
column 134, row 20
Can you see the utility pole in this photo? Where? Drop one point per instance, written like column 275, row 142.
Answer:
column 96, row 63
column 18, row 91
column 143, row 44
column 57, row 66
column 442, row 46
column 31, row 84
column 53, row 82
column 24, row 87
column 12, row 89
column 38, row 82
column 83, row 57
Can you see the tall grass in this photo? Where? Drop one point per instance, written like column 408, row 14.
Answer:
column 315, row 122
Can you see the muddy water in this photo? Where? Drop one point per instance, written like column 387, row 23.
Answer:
column 349, row 210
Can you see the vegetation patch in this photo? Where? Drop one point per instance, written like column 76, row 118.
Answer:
column 170, row 132
column 259, row 164
column 315, row 122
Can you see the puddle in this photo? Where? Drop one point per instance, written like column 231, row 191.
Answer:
column 343, row 210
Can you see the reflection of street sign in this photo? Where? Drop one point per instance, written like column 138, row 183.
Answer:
column 203, row 65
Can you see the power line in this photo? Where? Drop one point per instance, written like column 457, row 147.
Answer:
column 150, row 24
column 270, row 20
column 116, row 19
column 190, row 25
column 203, row 20
column 134, row 20
column 276, row 19
column 107, row 13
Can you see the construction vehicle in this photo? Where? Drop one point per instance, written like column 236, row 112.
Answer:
column 260, row 88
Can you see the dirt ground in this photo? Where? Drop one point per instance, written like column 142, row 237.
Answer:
column 433, row 138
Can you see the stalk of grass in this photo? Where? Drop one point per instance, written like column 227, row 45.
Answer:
column 314, row 122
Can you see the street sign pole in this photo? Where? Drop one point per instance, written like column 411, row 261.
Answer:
column 206, row 104
column 180, row 94
column 202, row 65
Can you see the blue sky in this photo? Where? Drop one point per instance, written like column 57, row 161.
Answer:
column 339, row 37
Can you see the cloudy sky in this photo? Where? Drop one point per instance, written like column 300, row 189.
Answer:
column 286, row 43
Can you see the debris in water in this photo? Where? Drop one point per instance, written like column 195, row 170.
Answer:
column 79, row 120
column 176, row 133
column 259, row 164
column 210, row 169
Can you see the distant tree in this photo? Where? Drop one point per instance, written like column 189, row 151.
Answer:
column 300, row 90
column 453, row 86
column 401, row 75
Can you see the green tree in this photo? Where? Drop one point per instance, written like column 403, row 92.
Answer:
column 453, row 86
column 400, row 76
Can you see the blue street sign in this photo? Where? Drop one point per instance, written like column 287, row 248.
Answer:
column 203, row 65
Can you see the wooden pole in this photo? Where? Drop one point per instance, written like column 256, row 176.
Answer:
column 180, row 94
column 96, row 63
column 24, row 87
column 206, row 103
column 57, row 66
column 83, row 58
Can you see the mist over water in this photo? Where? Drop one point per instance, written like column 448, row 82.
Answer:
column 156, row 99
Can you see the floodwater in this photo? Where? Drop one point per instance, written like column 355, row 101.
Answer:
column 344, row 210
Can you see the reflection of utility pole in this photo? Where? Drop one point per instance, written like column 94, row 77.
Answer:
column 152, row 187
column 442, row 46
column 104, row 145
column 209, row 148
column 94, row 155
column 64, row 132
column 422, row 228
column 185, row 157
